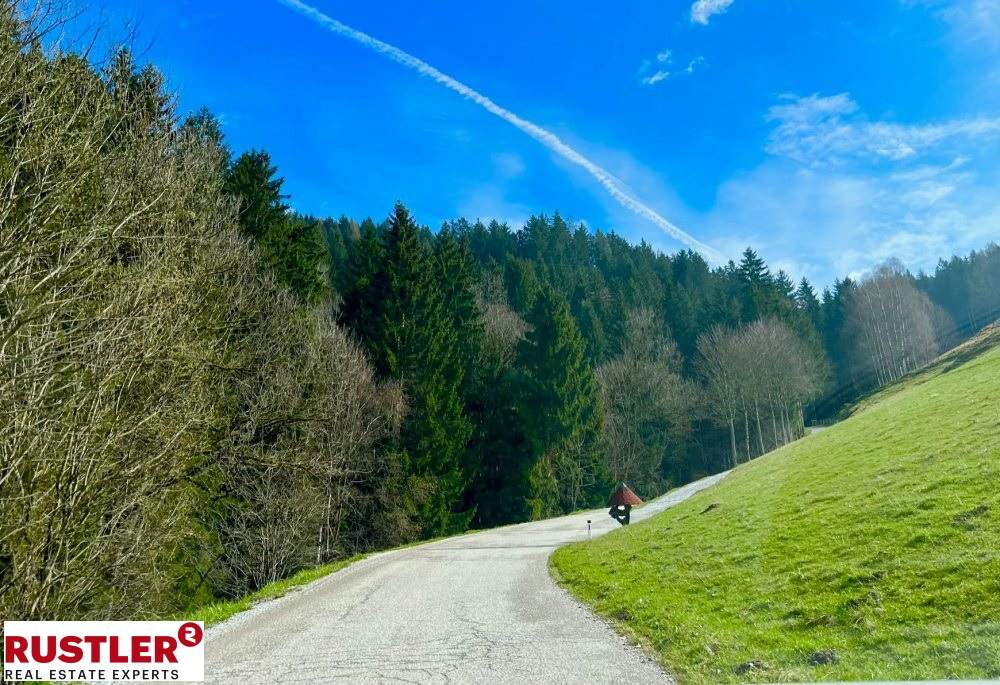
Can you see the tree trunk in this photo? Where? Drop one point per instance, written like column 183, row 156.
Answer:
column 746, row 433
column 732, row 440
column 774, row 426
column 760, row 433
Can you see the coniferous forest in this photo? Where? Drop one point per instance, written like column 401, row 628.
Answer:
column 205, row 391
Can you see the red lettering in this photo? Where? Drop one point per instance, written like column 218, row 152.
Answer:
column 116, row 657
column 71, row 650
column 140, row 649
column 164, row 648
column 14, row 648
column 36, row 648
column 95, row 642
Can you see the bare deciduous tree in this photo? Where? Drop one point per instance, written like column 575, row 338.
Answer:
column 720, row 366
column 893, row 326
column 761, row 371
column 171, row 419
column 646, row 404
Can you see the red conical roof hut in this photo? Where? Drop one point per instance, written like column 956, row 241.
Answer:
column 624, row 496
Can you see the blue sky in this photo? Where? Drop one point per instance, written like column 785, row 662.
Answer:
column 830, row 136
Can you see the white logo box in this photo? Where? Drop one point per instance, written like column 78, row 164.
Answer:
column 104, row 651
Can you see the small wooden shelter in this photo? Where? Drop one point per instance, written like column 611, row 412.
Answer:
column 621, row 503
column 624, row 496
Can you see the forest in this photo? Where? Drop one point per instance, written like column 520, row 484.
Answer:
column 205, row 391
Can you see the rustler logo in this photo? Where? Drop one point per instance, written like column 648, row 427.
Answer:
column 111, row 651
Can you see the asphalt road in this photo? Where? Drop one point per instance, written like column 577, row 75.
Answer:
column 477, row 608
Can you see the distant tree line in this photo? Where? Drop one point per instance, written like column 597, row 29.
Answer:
column 205, row 391
column 697, row 368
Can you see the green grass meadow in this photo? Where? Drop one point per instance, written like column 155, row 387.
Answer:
column 870, row 550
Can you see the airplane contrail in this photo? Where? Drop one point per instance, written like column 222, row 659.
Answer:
column 546, row 138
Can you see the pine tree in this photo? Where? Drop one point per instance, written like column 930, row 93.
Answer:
column 206, row 128
column 757, row 286
column 456, row 282
column 805, row 297
column 592, row 330
column 784, row 286
column 364, row 301
column 752, row 268
column 562, row 409
column 253, row 181
column 457, row 286
column 522, row 283
column 292, row 247
column 399, row 309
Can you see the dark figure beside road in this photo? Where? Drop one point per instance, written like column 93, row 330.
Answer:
column 621, row 503
column 622, row 513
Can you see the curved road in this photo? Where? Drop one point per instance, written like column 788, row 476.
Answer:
column 474, row 608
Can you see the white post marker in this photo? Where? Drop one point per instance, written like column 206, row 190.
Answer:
column 588, row 529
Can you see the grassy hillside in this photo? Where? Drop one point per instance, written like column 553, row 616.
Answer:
column 870, row 550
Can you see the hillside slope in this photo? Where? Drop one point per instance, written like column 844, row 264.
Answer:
column 867, row 551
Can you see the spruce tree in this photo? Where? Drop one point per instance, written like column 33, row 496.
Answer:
column 522, row 283
column 562, row 410
column 836, row 335
column 254, row 182
column 339, row 251
column 756, row 282
column 752, row 268
column 456, row 282
column 205, row 127
column 592, row 329
column 805, row 297
column 364, row 300
column 399, row 309
column 502, row 457
column 292, row 247
column 784, row 286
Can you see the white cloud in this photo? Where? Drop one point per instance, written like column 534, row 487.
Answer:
column 830, row 223
column 981, row 17
column 972, row 21
column 655, row 78
column 694, row 64
column 842, row 193
column 703, row 10
column 818, row 130
column 665, row 59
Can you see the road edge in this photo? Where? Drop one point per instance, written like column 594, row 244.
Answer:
column 618, row 627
